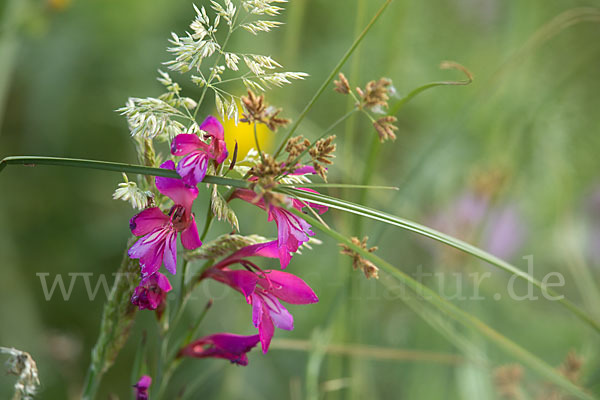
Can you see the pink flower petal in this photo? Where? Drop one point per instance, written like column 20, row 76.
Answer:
column 170, row 253
column 149, row 249
column 147, row 220
column 219, row 150
column 163, row 282
column 282, row 318
column 190, row 237
column 304, row 170
column 192, row 168
column 262, row 320
column 287, row 287
column 317, row 207
column 186, row 143
column 213, row 128
column 241, row 280
column 248, row 196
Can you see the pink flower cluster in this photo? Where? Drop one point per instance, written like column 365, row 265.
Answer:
column 264, row 290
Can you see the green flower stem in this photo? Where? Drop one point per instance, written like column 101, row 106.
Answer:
column 117, row 319
column 112, row 166
column 440, row 237
column 194, row 331
column 207, row 223
column 455, row 312
column 331, row 76
column 165, row 378
column 182, row 287
column 170, row 358
column 262, row 156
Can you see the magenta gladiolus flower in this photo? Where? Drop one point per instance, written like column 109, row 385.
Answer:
column 222, row 345
column 151, row 292
column 141, row 387
column 292, row 231
column 264, row 289
column 160, row 230
column 192, row 168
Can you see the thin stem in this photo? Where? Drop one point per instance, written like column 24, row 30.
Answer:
column 194, row 331
column 209, row 218
column 166, row 377
column 262, row 156
column 377, row 353
column 370, row 166
column 170, row 359
column 336, row 185
column 112, row 166
column 182, row 291
column 332, row 75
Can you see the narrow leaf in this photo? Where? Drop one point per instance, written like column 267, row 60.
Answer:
column 456, row 313
column 377, row 215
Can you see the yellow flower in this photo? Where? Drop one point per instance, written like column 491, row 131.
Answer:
column 243, row 133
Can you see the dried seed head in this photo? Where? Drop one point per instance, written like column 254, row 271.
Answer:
column 507, row 380
column 295, row 147
column 342, row 86
column 267, row 171
column 359, row 262
column 321, row 154
column 272, row 119
column 385, row 128
column 258, row 111
column 375, row 93
column 571, row 367
column 255, row 107
column 268, row 167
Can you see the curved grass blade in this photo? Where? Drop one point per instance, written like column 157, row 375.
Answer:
column 337, row 185
column 112, row 166
column 464, row 318
column 377, row 215
column 444, row 65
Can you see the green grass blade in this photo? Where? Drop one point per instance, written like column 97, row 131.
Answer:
column 464, row 318
column 377, row 215
column 112, row 166
column 337, row 185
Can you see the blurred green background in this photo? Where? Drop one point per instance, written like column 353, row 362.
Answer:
column 530, row 117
